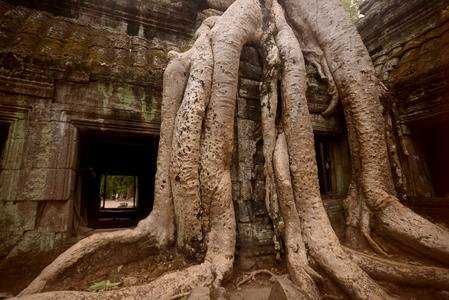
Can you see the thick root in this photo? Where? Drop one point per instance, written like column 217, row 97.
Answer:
column 297, row 263
column 78, row 255
column 184, row 175
column 400, row 273
column 405, row 226
column 317, row 231
column 164, row 288
column 253, row 274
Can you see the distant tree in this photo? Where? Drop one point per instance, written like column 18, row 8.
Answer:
column 116, row 184
column 352, row 7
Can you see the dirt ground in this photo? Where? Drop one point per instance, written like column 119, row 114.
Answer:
column 148, row 269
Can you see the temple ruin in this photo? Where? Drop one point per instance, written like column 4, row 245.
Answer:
column 80, row 95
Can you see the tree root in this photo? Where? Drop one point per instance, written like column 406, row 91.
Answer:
column 400, row 273
column 165, row 287
column 411, row 230
column 147, row 241
column 251, row 275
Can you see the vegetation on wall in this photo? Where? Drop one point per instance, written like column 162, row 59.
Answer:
column 352, row 7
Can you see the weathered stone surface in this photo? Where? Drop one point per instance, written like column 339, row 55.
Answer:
column 18, row 215
column 161, row 20
column 60, row 77
column 395, row 20
column 41, row 247
column 219, row 294
column 409, row 40
column 284, row 289
column 55, row 216
column 249, row 89
column 200, row 293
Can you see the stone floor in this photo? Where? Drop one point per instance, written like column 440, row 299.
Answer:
column 251, row 293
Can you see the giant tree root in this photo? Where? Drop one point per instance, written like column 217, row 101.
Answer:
column 131, row 244
column 164, row 287
column 400, row 273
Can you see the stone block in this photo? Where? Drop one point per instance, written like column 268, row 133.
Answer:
column 244, row 211
column 329, row 124
column 31, row 85
column 258, row 172
column 14, row 154
column 249, row 89
column 18, row 217
column 259, row 191
column 265, row 258
column 60, row 184
column 47, row 184
column 249, row 109
column 246, row 190
column 199, row 293
column 263, row 234
column 235, row 191
column 55, row 216
column 285, row 289
column 39, row 145
column 245, row 234
column 140, row 56
column 250, row 55
column 9, row 183
column 219, row 294
column 33, row 184
column 64, row 147
column 259, row 209
column 8, row 240
column 250, row 71
column 18, row 128
column 246, row 260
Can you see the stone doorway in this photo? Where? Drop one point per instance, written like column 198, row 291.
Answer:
column 323, row 160
column 4, row 128
column 435, row 141
column 117, row 179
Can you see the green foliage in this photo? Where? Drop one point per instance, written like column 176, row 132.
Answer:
column 352, row 7
column 116, row 184
column 104, row 285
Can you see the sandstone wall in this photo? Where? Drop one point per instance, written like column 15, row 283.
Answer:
column 409, row 42
column 389, row 21
column 62, row 76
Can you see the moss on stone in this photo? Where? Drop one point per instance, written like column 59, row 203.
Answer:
column 126, row 97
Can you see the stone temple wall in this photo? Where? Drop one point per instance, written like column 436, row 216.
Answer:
column 74, row 74
column 409, row 42
column 389, row 21
column 63, row 77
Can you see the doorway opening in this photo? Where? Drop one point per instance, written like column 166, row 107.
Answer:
column 434, row 139
column 117, row 179
column 323, row 161
column 4, row 128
